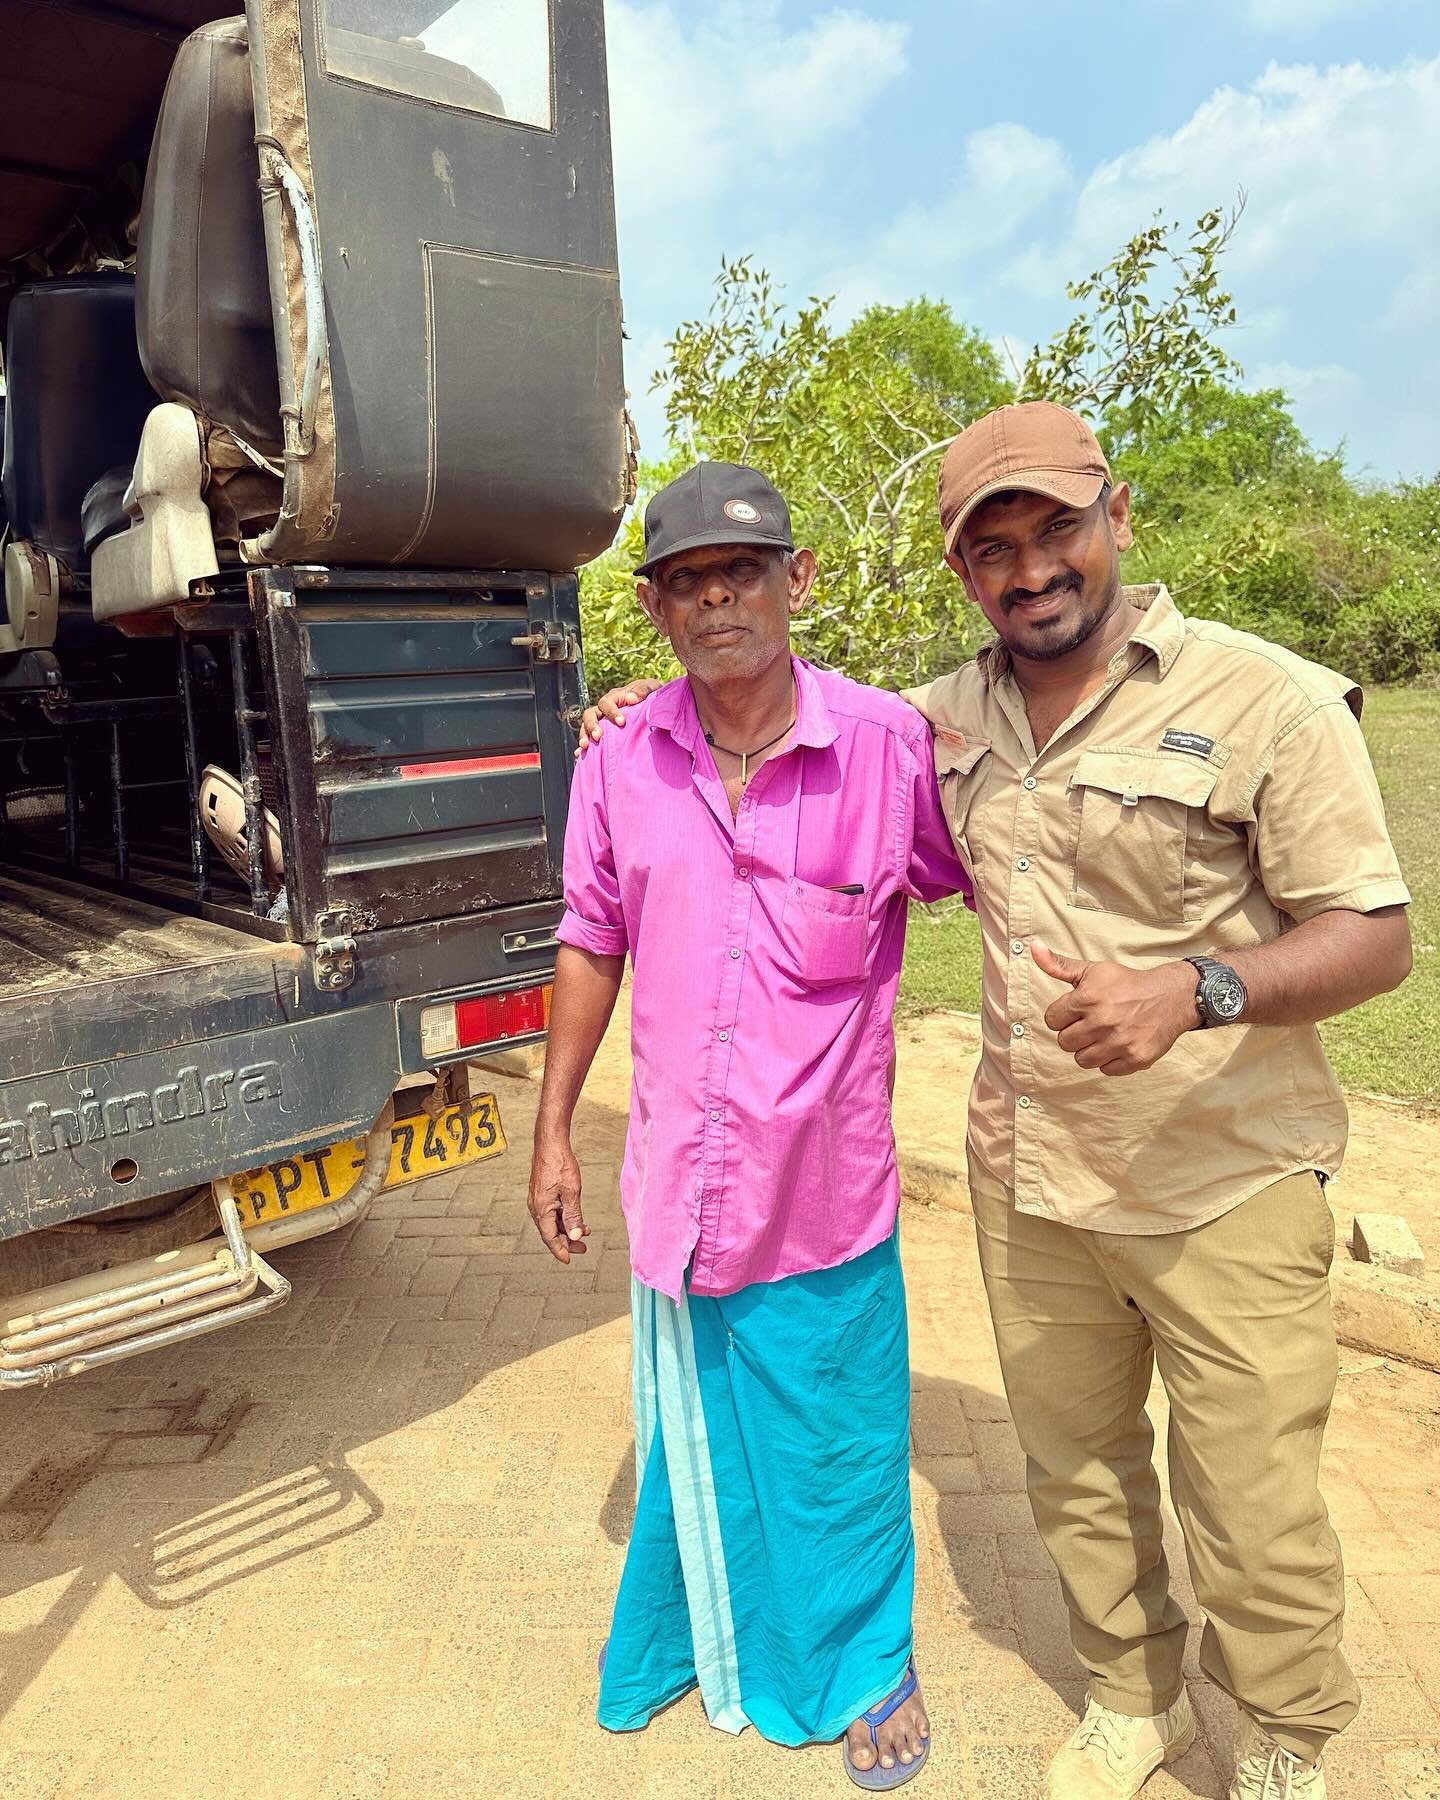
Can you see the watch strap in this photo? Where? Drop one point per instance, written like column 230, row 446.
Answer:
column 1205, row 965
column 1201, row 965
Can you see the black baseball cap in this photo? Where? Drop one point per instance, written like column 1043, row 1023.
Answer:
column 714, row 503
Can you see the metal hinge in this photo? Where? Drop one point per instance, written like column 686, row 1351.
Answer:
column 333, row 959
column 550, row 642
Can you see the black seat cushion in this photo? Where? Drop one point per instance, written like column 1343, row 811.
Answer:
column 77, row 399
column 102, row 511
column 203, row 296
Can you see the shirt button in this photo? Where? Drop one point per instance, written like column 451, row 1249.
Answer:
column 1024, row 1100
column 724, row 1037
column 734, row 953
column 1022, row 863
column 1029, row 782
column 1017, row 1031
column 714, row 1118
column 742, row 873
column 1017, row 946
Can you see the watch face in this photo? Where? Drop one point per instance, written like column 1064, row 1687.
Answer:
column 1224, row 994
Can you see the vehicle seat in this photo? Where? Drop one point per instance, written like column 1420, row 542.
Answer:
column 77, row 399
column 168, row 540
column 203, row 324
column 202, row 299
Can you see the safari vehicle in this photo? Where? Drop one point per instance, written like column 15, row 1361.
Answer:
column 313, row 405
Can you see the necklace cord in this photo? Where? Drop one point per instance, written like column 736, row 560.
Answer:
column 745, row 755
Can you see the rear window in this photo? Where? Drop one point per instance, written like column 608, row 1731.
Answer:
column 484, row 56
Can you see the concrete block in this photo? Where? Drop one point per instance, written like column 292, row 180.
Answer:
column 1397, row 1315
column 524, row 1064
column 1375, row 1308
column 1387, row 1241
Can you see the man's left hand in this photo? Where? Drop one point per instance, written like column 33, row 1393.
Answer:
column 1114, row 1019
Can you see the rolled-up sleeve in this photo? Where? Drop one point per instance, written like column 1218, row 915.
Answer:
column 594, row 918
column 1318, row 834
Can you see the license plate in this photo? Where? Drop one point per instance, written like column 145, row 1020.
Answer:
column 467, row 1132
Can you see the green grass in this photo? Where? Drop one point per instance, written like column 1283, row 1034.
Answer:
column 1390, row 1045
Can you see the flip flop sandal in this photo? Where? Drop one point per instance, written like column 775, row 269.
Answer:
column 878, row 1779
column 222, row 813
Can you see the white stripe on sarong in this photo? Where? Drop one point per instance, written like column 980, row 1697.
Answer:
column 666, row 1393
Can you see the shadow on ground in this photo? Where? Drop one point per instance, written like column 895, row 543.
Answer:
column 339, row 1539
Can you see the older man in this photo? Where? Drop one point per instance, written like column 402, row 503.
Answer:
column 1181, row 863
column 751, row 842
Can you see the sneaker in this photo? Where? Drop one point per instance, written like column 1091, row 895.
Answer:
column 1111, row 1756
column 1264, row 1770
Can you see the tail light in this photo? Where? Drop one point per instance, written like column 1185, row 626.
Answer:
column 486, row 1019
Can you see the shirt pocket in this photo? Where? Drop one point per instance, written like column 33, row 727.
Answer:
column 825, row 934
column 1139, row 827
column 961, row 774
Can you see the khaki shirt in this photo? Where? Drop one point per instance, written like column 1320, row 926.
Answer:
column 1214, row 792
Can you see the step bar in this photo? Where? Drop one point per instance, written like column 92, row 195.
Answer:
column 146, row 1306
column 75, row 1326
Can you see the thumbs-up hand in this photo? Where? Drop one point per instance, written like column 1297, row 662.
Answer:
column 1115, row 1019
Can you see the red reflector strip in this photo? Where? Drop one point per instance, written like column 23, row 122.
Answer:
column 472, row 765
column 493, row 1016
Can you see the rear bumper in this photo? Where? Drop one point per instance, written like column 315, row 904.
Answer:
column 129, row 1090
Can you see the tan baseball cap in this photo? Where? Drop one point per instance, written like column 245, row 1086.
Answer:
column 1036, row 446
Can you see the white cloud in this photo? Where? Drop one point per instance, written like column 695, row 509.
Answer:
column 1297, row 381
column 1008, row 175
column 1348, row 155
column 1337, row 261
column 1328, row 395
column 1415, row 304
column 704, row 112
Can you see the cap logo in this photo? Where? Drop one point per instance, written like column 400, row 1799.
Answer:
column 742, row 512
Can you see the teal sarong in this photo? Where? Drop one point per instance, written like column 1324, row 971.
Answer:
column 772, row 1560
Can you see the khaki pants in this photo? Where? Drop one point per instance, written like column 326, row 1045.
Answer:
column 1237, row 1314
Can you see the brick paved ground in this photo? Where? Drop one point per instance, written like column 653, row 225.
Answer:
column 368, row 1547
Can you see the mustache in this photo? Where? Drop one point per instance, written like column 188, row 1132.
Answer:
column 1058, row 584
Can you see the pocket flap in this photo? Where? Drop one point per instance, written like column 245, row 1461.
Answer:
column 827, row 932
column 956, row 759
column 1141, row 774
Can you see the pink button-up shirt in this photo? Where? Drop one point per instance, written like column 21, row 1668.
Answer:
column 760, row 1142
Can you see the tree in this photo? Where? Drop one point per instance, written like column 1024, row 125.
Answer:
column 1131, row 348
column 1217, row 437
column 1235, row 511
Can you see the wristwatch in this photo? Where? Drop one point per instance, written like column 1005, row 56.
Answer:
column 1222, row 996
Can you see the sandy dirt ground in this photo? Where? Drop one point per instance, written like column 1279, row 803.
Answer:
column 369, row 1547
column 1392, row 1164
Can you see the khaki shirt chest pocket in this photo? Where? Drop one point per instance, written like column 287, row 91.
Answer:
column 961, row 770
column 1138, row 824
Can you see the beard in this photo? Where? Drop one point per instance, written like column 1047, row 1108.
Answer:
column 1061, row 636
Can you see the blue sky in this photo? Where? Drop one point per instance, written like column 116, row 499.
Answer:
column 985, row 153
